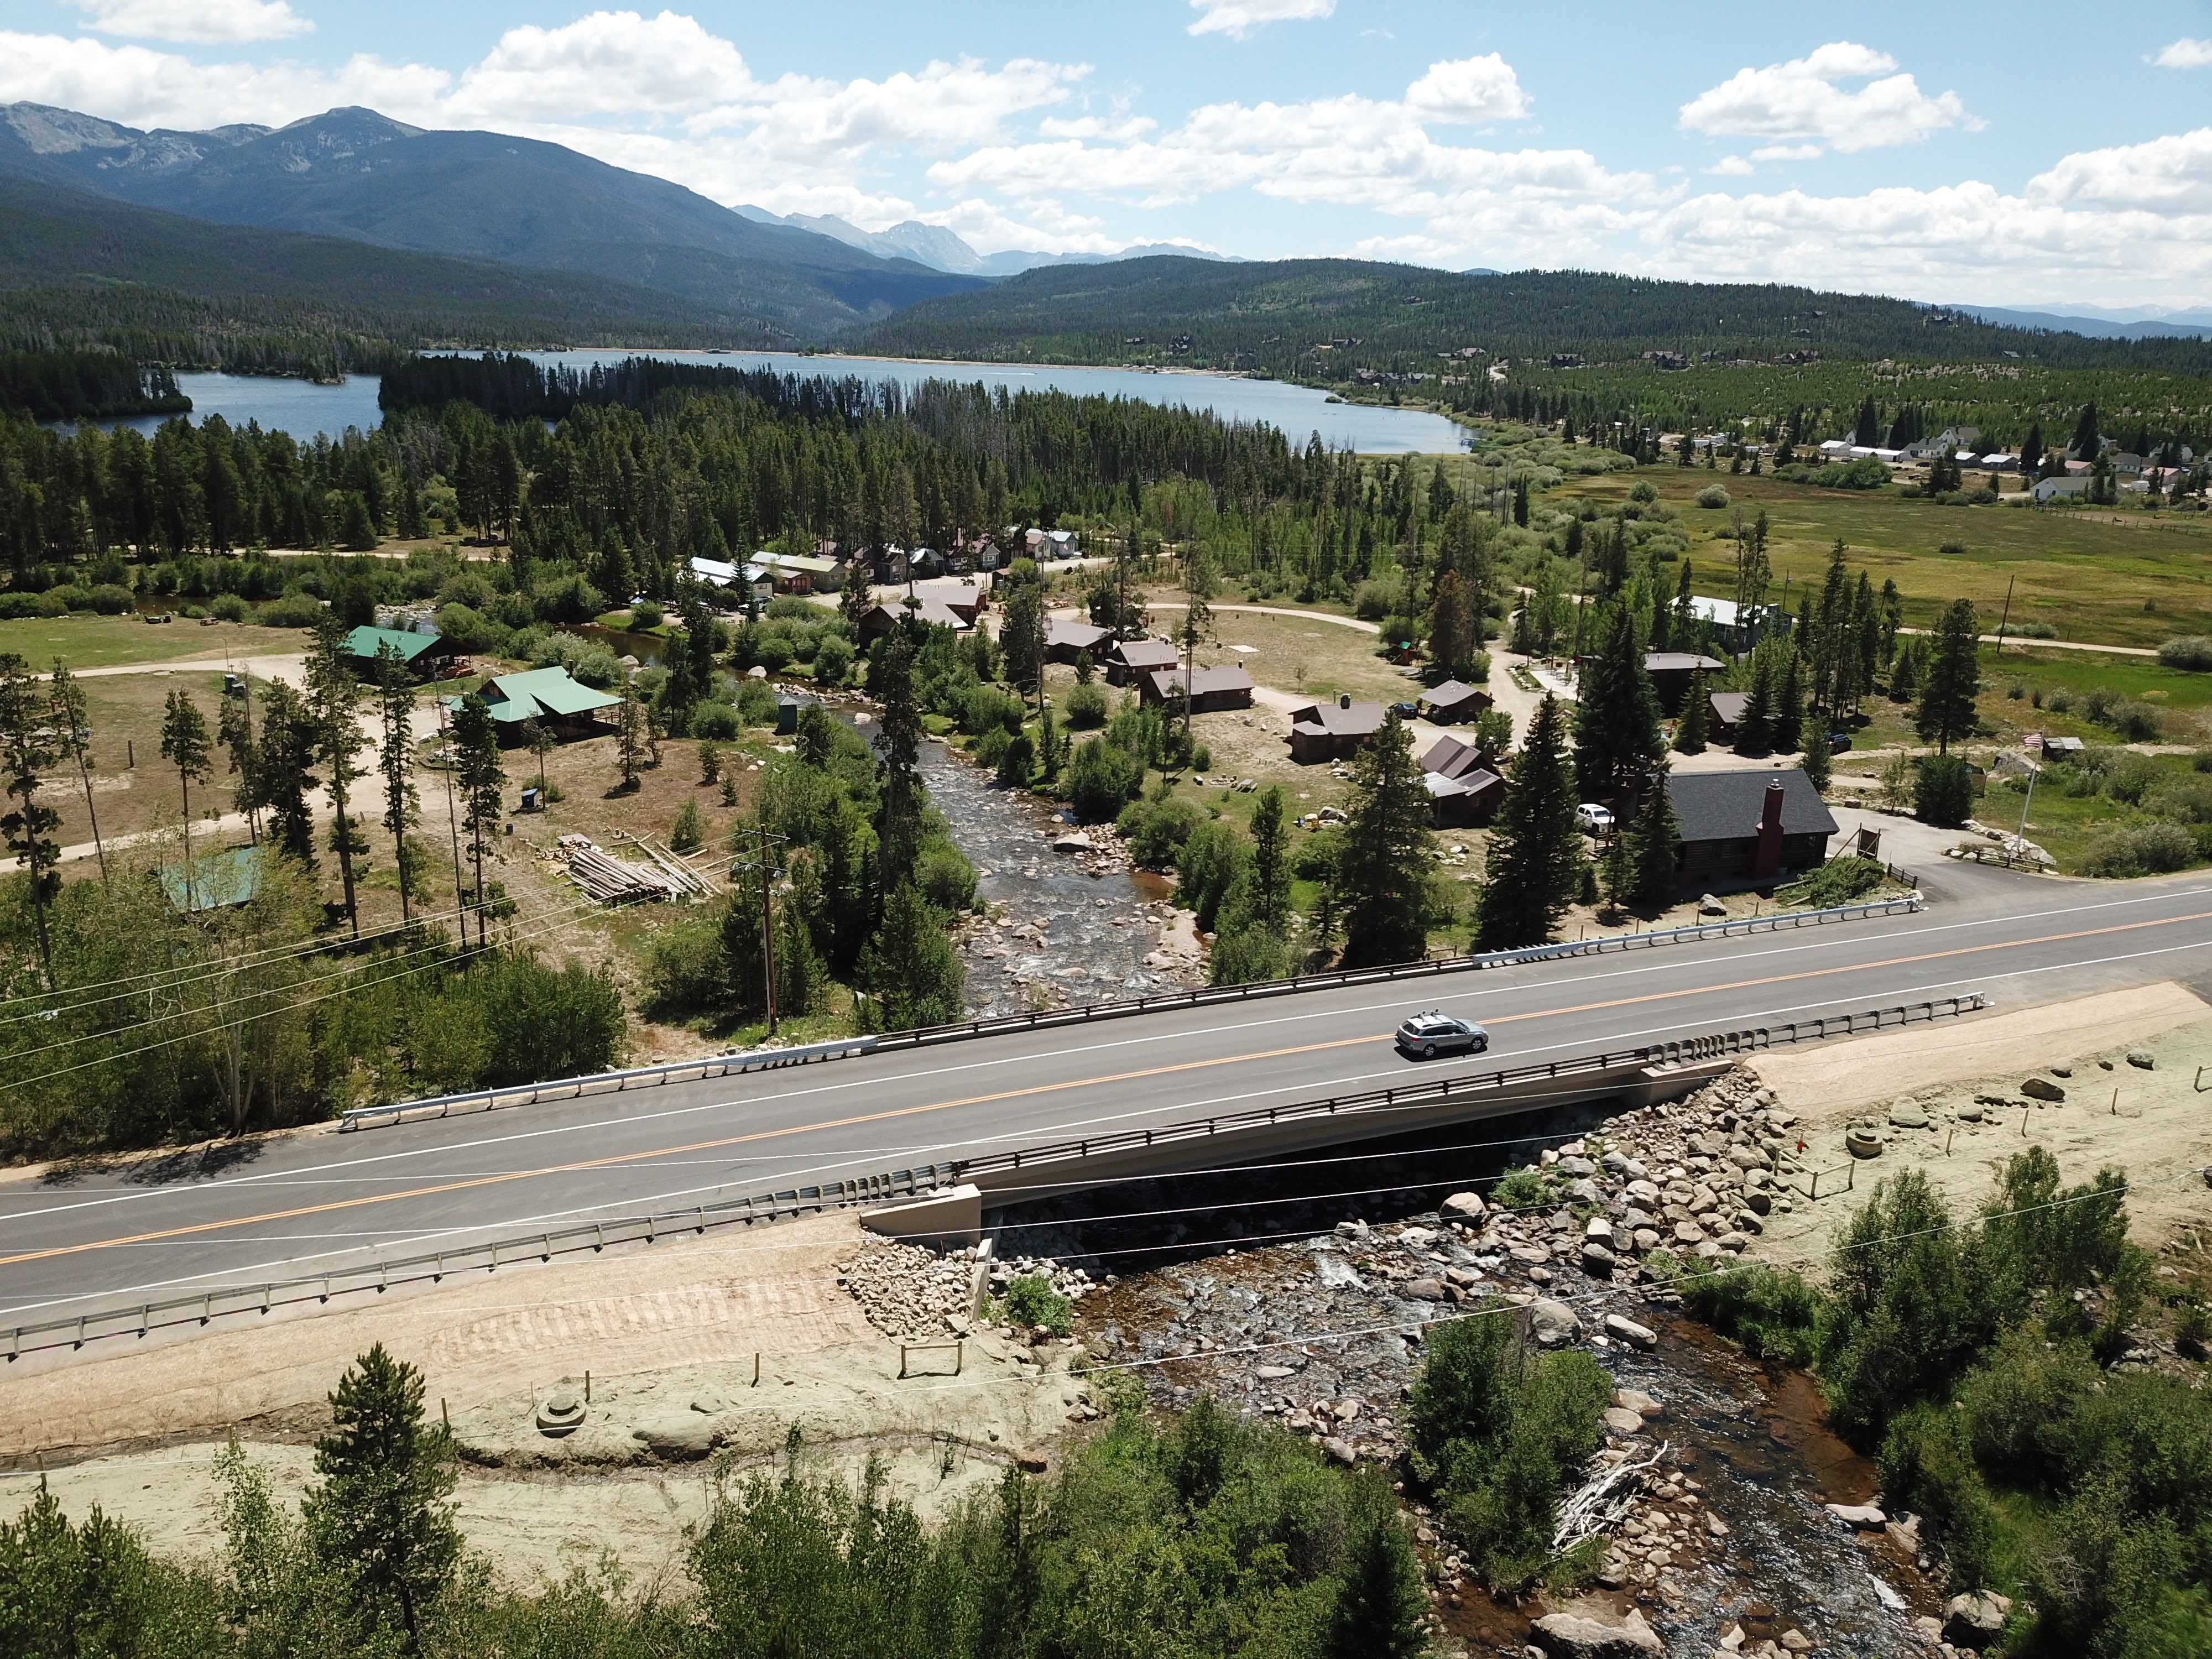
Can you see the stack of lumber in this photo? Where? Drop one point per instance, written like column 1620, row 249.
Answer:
column 611, row 881
column 689, row 883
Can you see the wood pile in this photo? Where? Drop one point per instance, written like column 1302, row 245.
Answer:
column 614, row 881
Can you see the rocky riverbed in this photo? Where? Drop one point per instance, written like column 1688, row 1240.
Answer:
column 1752, row 1529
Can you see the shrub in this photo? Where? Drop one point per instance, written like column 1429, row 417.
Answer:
column 1838, row 882
column 775, row 652
column 1201, row 759
column 685, row 969
column 302, row 611
column 756, row 704
column 1156, row 830
column 1017, row 761
column 1031, row 1301
column 990, row 749
column 2141, row 849
column 111, row 599
column 717, row 722
column 985, row 706
column 1314, row 858
column 230, row 608
column 1928, row 1467
column 2033, row 630
column 1374, row 599
column 1772, row 1313
column 689, row 833
column 2130, row 777
column 646, row 614
column 1864, row 473
column 947, row 880
column 1643, row 491
column 1526, row 1188
column 2192, row 652
column 833, row 659
column 1943, row 791
column 1713, row 495
column 2137, row 722
column 1213, row 855
column 1101, row 779
column 1086, row 708
column 1248, row 956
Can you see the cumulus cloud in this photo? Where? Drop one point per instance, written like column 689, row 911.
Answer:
column 1470, row 91
column 1804, row 100
column 143, row 88
column 1732, row 167
column 196, row 22
column 2185, row 53
column 1241, row 18
column 2165, row 175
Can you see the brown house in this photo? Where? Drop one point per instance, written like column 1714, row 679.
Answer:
column 1334, row 731
column 881, row 619
column 1463, row 789
column 1129, row 661
column 1452, row 702
column 1212, row 689
column 1748, row 828
column 1723, row 714
column 1669, row 672
column 1066, row 639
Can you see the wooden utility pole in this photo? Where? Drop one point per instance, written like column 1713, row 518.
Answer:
column 769, row 873
column 2007, row 616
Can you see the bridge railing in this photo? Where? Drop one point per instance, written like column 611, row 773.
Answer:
column 692, row 1070
column 266, row 1295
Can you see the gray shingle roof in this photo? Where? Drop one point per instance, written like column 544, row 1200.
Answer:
column 1726, row 806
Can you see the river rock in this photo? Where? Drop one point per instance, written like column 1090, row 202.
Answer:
column 1975, row 1619
column 1622, row 1328
column 2042, row 1088
column 1467, row 1206
column 1619, row 1419
column 1908, row 1115
column 1423, row 1290
column 1758, row 1202
column 1597, row 1260
column 1747, row 1221
column 1340, row 1450
column 2141, row 1058
column 1635, row 1399
column 1569, row 1635
column 687, row 1436
column 1866, row 1517
column 1553, row 1321
column 1597, row 1227
column 1688, row 1232
column 1576, row 1167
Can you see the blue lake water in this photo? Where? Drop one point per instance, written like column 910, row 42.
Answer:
column 304, row 409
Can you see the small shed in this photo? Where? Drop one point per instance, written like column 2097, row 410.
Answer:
column 1129, row 661
column 1458, row 803
column 1212, row 689
column 789, row 708
column 1747, row 826
column 1066, row 639
column 1451, row 701
column 1723, row 714
column 1334, row 731
column 424, row 654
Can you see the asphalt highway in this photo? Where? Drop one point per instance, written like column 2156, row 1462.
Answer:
column 304, row 1203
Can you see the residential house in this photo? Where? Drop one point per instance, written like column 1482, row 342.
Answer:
column 1669, row 672
column 548, row 695
column 427, row 656
column 1723, row 714
column 1127, row 660
column 2050, row 489
column 1737, row 631
column 1334, row 731
column 1066, row 638
column 1463, row 789
column 1212, row 689
column 1748, row 828
column 880, row 619
column 1451, row 701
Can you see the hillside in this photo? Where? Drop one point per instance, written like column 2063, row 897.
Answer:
column 77, row 270
column 354, row 173
column 1321, row 319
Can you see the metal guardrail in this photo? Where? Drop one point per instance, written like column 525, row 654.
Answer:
column 1120, row 1008
column 528, row 1094
column 269, row 1295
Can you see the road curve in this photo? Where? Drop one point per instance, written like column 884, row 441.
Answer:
column 300, row 1204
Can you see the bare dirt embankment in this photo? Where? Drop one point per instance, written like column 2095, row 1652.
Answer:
column 670, row 1337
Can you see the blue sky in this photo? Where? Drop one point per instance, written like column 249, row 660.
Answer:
column 2042, row 155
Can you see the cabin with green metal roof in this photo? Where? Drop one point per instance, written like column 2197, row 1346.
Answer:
column 428, row 656
column 552, row 696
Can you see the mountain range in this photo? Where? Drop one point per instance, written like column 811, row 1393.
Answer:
column 941, row 250
column 355, row 174
column 2146, row 323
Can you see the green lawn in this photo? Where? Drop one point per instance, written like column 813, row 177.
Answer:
column 85, row 640
column 2124, row 576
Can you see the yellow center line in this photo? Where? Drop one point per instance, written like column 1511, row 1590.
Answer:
column 615, row 1160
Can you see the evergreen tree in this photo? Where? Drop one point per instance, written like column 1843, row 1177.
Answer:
column 1379, row 1602
column 1536, row 861
column 185, row 746
column 1789, row 697
column 900, row 795
column 477, row 772
column 381, row 1513
column 2087, row 443
column 281, row 774
column 1654, row 844
column 629, row 734
column 2031, row 453
column 1754, row 729
column 332, row 692
column 1617, row 735
column 1384, row 862
column 1022, row 639
column 234, row 730
column 26, row 750
column 1451, row 625
column 395, row 760
column 1690, row 730
column 1953, row 679
column 911, row 969
column 1868, row 432
column 1812, row 742
column 73, row 728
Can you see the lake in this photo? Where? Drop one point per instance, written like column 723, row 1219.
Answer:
column 304, row 409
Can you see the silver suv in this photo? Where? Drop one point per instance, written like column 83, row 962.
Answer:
column 1433, row 1033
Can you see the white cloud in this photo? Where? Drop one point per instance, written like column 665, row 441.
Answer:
column 2185, row 53
column 1732, row 167
column 1241, row 18
column 143, row 88
column 1802, row 100
column 1786, row 152
column 196, row 22
column 2165, row 175
column 607, row 63
column 1470, row 91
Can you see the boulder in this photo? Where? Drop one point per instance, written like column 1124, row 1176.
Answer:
column 1747, row 1221
column 1865, row 1517
column 1688, row 1232
column 1599, row 1228
column 1273, row 1373
column 2141, row 1058
column 1710, row 906
column 1464, row 1206
column 1341, row 1451
column 1908, row 1115
column 1758, row 1202
column 1621, row 1328
column 1074, row 842
column 686, row 1436
column 1597, row 1260
column 1570, row 1636
column 1619, row 1419
column 1553, row 1321
column 1576, row 1166
column 1423, row 1290
column 1975, row 1619
column 2042, row 1088
column 1635, row 1399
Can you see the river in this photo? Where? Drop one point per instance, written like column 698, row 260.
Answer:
column 306, row 410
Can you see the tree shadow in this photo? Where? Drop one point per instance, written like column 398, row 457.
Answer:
column 203, row 1162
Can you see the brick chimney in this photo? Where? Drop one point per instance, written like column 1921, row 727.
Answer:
column 1767, row 861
